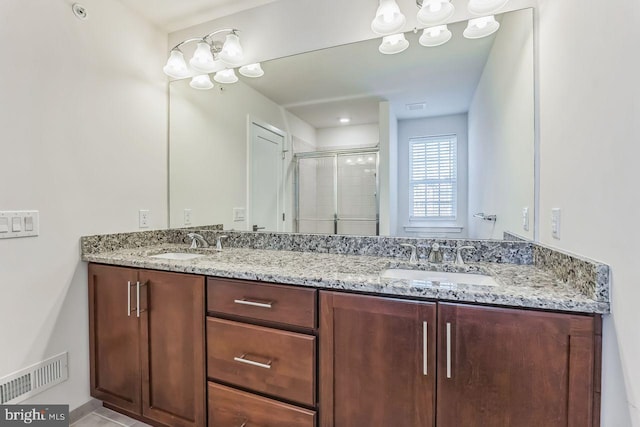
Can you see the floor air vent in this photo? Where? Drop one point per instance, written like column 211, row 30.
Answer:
column 34, row 379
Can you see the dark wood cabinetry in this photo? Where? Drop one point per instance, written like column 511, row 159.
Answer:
column 508, row 367
column 495, row 367
column 114, row 344
column 364, row 361
column 147, row 343
column 261, row 354
column 377, row 361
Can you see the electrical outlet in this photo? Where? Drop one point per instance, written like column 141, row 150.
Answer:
column 555, row 223
column 144, row 218
column 187, row 217
column 525, row 219
column 238, row 214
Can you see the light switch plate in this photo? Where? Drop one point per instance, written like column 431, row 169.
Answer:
column 14, row 224
column 525, row 219
column 144, row 218
column 187, row 217
column 555, row 223
column 238, row 214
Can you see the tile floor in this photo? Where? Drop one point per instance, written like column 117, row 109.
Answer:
column 103, row 417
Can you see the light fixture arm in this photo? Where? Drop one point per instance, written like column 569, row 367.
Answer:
column 205, row 38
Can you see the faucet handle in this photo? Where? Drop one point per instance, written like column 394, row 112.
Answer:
column 194, row 240
column 219, row 242
column 459, row 260
column 414, row 252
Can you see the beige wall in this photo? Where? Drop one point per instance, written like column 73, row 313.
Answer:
column 83, row 117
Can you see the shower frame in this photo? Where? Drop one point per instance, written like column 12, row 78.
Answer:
column 335, row 154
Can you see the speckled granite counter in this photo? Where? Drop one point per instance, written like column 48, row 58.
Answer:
column 518, row 285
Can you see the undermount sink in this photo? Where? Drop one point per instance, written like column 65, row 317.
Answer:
column 439, row 276
column 177, row 256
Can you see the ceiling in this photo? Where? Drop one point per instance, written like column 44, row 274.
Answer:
column 351, row 80
column 173, row 15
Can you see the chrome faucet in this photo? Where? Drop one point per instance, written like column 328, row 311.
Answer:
column 459, row 260
column 197, row 241
column 219, row 243
column 435, row 255
column 413, row 259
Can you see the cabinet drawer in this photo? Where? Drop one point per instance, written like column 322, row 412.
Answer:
column 274, row 303
column 231, row 408
column 278, row 363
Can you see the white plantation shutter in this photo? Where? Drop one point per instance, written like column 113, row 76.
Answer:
column 433, row 178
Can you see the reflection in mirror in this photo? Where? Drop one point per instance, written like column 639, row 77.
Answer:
column 433, row 141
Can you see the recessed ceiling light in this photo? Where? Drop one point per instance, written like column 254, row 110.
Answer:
column 344, row 120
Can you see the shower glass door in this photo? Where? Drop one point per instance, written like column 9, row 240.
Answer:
column 336, row 192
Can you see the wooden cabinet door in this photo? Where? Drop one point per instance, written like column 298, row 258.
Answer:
column 114, row 339
column 374, row 370
column 507, row 367
column 173, row 352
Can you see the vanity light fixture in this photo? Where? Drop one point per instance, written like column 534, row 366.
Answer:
column 211, row 55
column 201, row 82
column 202, row 60
column 226, row 76
column 176, row 67
column 485, row 7
column 232, row 53
column 252, row 70
column 434, row 12
column 389, row 19
column 481, row 27
column 435, row 36
column 393, row 44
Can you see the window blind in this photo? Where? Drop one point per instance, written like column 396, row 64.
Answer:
column 433, row 177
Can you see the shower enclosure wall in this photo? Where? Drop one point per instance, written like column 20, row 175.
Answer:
column 337, row 192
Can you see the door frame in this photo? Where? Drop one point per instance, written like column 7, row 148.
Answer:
column 251, row 121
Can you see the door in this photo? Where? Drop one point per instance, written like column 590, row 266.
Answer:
column 337, row 193
column 114, row 338
column 173, row 352
column 377, row 361
column 357, row 207
column 513, row 368
column 265, row 178
column 316, row 186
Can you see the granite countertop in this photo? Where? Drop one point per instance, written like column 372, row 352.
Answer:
column 518, row 285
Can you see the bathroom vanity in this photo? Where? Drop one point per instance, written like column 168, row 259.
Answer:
column 291, row 338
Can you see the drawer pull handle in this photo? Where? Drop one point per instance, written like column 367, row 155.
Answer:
column 425, row 348
column 245, row 301
column 448, row 350
column 129, row 298
column 243, row 359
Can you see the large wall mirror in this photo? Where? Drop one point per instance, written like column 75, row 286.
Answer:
column 431, row 142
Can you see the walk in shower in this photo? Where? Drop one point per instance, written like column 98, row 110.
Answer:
column 337, row 192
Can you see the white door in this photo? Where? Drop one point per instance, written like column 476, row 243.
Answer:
column 265, row 178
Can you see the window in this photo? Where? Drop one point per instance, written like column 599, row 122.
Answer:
column 433, row 178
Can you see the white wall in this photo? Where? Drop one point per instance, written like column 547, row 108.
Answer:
column 208, row 153
column 431, row 126
column 589, row 133
column 83, row 118
column 501, row 133
column 347, row 137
